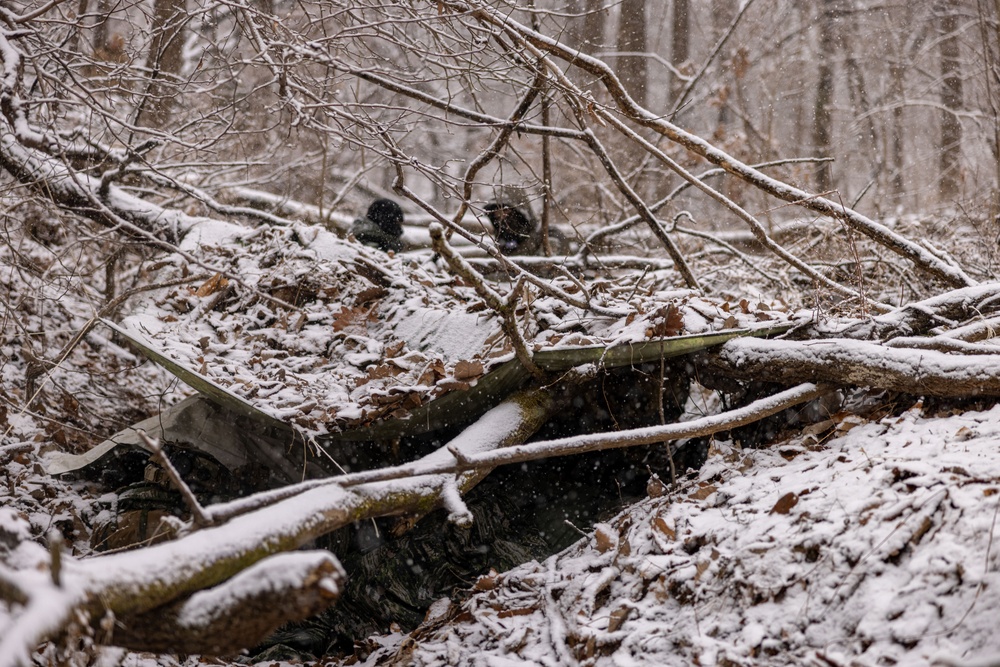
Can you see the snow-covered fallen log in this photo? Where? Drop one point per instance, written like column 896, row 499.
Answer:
column 844, row 361
column 154, row 584
column 240, row 611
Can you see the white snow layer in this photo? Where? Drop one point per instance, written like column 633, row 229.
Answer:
column 873, row 548
column 330, row 335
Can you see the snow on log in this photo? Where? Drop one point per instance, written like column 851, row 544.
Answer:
column 242, row 611
column 152, row 580
column 843, row 361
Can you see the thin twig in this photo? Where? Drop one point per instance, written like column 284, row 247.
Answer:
column 198, row 514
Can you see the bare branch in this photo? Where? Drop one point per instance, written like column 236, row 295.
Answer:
column 201, row 519
column 626, row 105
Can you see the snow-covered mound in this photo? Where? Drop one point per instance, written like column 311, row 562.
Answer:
column 874, row 547
column 329, row 335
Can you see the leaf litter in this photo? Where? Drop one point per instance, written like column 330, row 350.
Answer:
column 870, row 547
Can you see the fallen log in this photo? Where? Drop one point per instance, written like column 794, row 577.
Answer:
column 851, row 362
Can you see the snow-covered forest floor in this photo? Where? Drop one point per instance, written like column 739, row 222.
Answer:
column 858, row 542
column 858, row 532
column 854, row 541
column 736, row 406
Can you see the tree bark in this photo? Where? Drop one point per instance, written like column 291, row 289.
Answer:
column 822, row 115
column 632, row 40
column 166, row 57
column 680, row 47
column 586, row 31
column 950, row 149
column 896, row 75
column 849, row 362
column 241, row 612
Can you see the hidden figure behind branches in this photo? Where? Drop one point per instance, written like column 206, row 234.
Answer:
column 382, row 226
column 515, row 229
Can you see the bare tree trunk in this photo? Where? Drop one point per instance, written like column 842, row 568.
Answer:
column 632, row 40
column 73, row 44
column 103, row 9
column 896, row 74
column 166, row 57
column 867, row 133
column 586, row 32
column 680, row 47
column 723, row 12
column 593, row 24
column 950, row 153
column 822, row 117
column 989, row 32
column 994, row 75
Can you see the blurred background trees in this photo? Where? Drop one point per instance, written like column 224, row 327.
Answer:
column 282, row 95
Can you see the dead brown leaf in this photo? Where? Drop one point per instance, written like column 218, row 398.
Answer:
column 663, row 526
column 212, row 285
column 605, row 538
column 452, row 385
column 468, row 370
column 785, row 503
column 703, row 492
column 617, row 618
column 347, row 316
column 668, row 321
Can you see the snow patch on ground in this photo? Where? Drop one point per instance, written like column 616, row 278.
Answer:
column 872, row 548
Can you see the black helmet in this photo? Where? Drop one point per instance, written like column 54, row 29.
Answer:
column 387, row 215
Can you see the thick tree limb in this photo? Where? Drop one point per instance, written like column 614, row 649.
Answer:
column 851, row 362
column 242, row 611
column 131, row 584
column 549, row 448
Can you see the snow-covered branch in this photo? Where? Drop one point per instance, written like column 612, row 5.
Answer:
column 851, row 362
column 157, row 581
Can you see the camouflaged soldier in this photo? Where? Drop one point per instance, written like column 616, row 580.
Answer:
column 515, row 229
column 382, row 226
column 518, row 233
